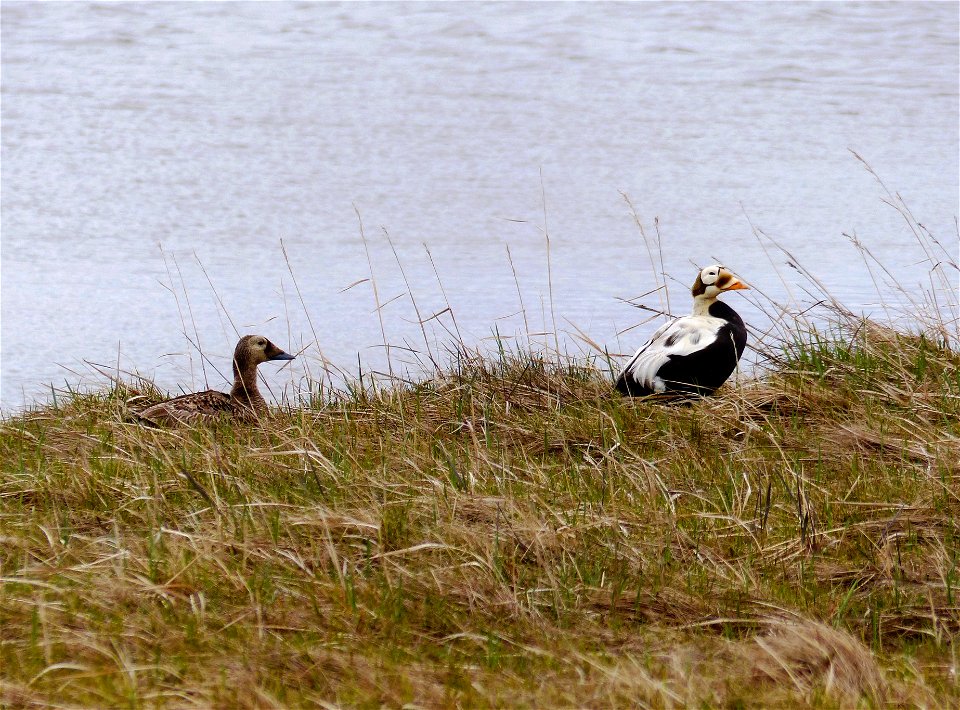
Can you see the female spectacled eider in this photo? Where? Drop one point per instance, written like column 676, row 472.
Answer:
column 244, row 401
column 694, row 354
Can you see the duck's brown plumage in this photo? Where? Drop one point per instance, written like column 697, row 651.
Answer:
column 244, row 401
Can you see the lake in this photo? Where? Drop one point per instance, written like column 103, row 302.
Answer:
column 175, row 173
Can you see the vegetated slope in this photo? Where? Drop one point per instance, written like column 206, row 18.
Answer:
column 509, row 533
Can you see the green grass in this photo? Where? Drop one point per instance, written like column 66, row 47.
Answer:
column 509, row 533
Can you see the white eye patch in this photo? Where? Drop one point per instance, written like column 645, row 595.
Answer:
column 709, row 275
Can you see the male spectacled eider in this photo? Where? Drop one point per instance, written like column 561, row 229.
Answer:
column 244, row 401
column 694, row 354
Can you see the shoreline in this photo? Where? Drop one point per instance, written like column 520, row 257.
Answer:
column 508, row 532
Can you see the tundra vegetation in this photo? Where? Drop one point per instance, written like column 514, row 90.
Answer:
column 506, row 532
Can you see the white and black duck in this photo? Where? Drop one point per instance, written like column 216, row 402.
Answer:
column 694, row 354
column 244, row 401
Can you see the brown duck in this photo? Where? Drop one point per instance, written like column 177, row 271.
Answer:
column 244, row 401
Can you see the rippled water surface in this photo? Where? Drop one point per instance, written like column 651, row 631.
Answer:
column 155, row 155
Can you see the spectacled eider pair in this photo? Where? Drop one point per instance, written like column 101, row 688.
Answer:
column 694, row 354
column 244, row 401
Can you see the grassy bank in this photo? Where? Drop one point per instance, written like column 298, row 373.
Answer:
column 509, row 534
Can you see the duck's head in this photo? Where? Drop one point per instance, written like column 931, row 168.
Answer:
column 254, row 349
column 714, row 280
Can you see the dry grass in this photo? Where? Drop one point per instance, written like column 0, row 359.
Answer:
column 508, row 533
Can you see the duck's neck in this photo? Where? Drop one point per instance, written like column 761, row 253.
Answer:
column 701, row 305
column 245, row 388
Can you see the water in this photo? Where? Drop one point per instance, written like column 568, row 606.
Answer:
column 155, row 155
